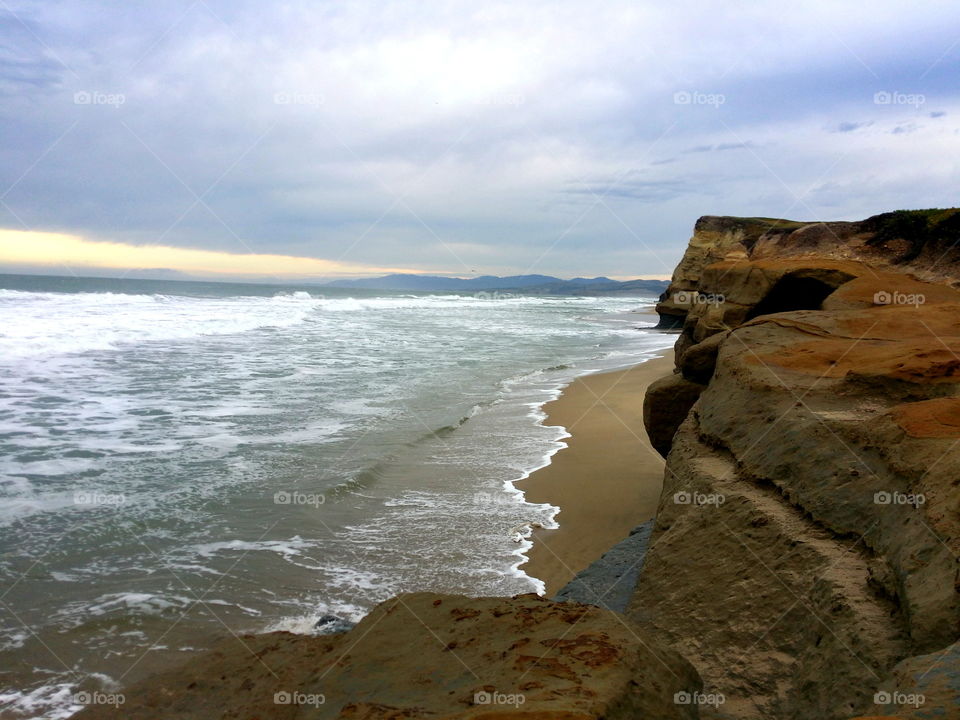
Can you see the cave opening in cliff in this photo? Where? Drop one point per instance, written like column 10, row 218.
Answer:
column 794, row 292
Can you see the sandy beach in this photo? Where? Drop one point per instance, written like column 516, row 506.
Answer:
column 608, row 478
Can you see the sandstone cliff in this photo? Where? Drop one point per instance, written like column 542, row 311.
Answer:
column 918, row 241
column 805, row 555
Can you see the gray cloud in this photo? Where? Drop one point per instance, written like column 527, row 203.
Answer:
column 905, row 129
column 720, row 147
column 452, row 136
column 845, row 127
column 634, row 189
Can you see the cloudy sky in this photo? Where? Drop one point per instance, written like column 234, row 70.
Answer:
column 565, row 138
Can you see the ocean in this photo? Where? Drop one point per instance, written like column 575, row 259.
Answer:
column 182, row 461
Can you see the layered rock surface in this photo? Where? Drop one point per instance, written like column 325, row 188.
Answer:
column 425, row 655
column 805, row 555
column 922, row 242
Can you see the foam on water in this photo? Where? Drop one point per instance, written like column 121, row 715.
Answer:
column 50, row 324
column 287, row 549
column 137, row 603
column 54, row 701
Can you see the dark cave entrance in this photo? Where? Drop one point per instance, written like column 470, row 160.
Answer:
column 796, row 292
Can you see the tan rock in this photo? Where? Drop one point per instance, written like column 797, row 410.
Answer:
column 699, row 361
column 938, row 418
column 923, row 243
column 807, row 538
column 666, row 405
column 428, row 655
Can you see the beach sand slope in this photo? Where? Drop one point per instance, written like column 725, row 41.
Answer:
column 606, row 482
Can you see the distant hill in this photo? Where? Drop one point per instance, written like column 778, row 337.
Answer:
column 528, row 284
column 646, row 288
column 435, row 282
column 156, row 274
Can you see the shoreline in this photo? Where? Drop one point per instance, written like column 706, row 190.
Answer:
column 606, row 481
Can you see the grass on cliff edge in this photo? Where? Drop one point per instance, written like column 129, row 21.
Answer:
column 778, row 223
column 935, row 228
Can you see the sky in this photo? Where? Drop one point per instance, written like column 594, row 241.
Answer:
column 238, row 139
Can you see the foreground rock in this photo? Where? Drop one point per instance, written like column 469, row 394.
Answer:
column 428, row 655
column 805, row 555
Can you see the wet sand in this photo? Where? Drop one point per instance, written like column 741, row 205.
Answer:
column 606, row 482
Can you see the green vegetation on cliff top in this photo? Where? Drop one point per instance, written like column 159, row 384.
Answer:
column 935, row 228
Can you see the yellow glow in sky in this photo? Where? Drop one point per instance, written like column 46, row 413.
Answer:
column 58, row 250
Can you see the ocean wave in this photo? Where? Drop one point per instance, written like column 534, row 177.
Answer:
column 36, row 325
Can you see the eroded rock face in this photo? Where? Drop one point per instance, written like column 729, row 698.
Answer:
column 428, row 655
column 922, row 242
column 666, row 405
column 698, row 361
column 733, row 292
column 805, row 556
column 714, row 239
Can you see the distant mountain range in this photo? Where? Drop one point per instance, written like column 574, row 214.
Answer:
column 526, row 284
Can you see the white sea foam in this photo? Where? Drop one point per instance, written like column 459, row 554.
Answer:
column 14, row 509
column 305, row 624
column 54, row 701
column 137, row 603
column 286, row 548
column 53, row 324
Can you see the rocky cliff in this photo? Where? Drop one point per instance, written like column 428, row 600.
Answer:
column 805, row 554
column 922, row 242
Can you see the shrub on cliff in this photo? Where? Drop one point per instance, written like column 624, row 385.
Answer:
column 935, row 229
